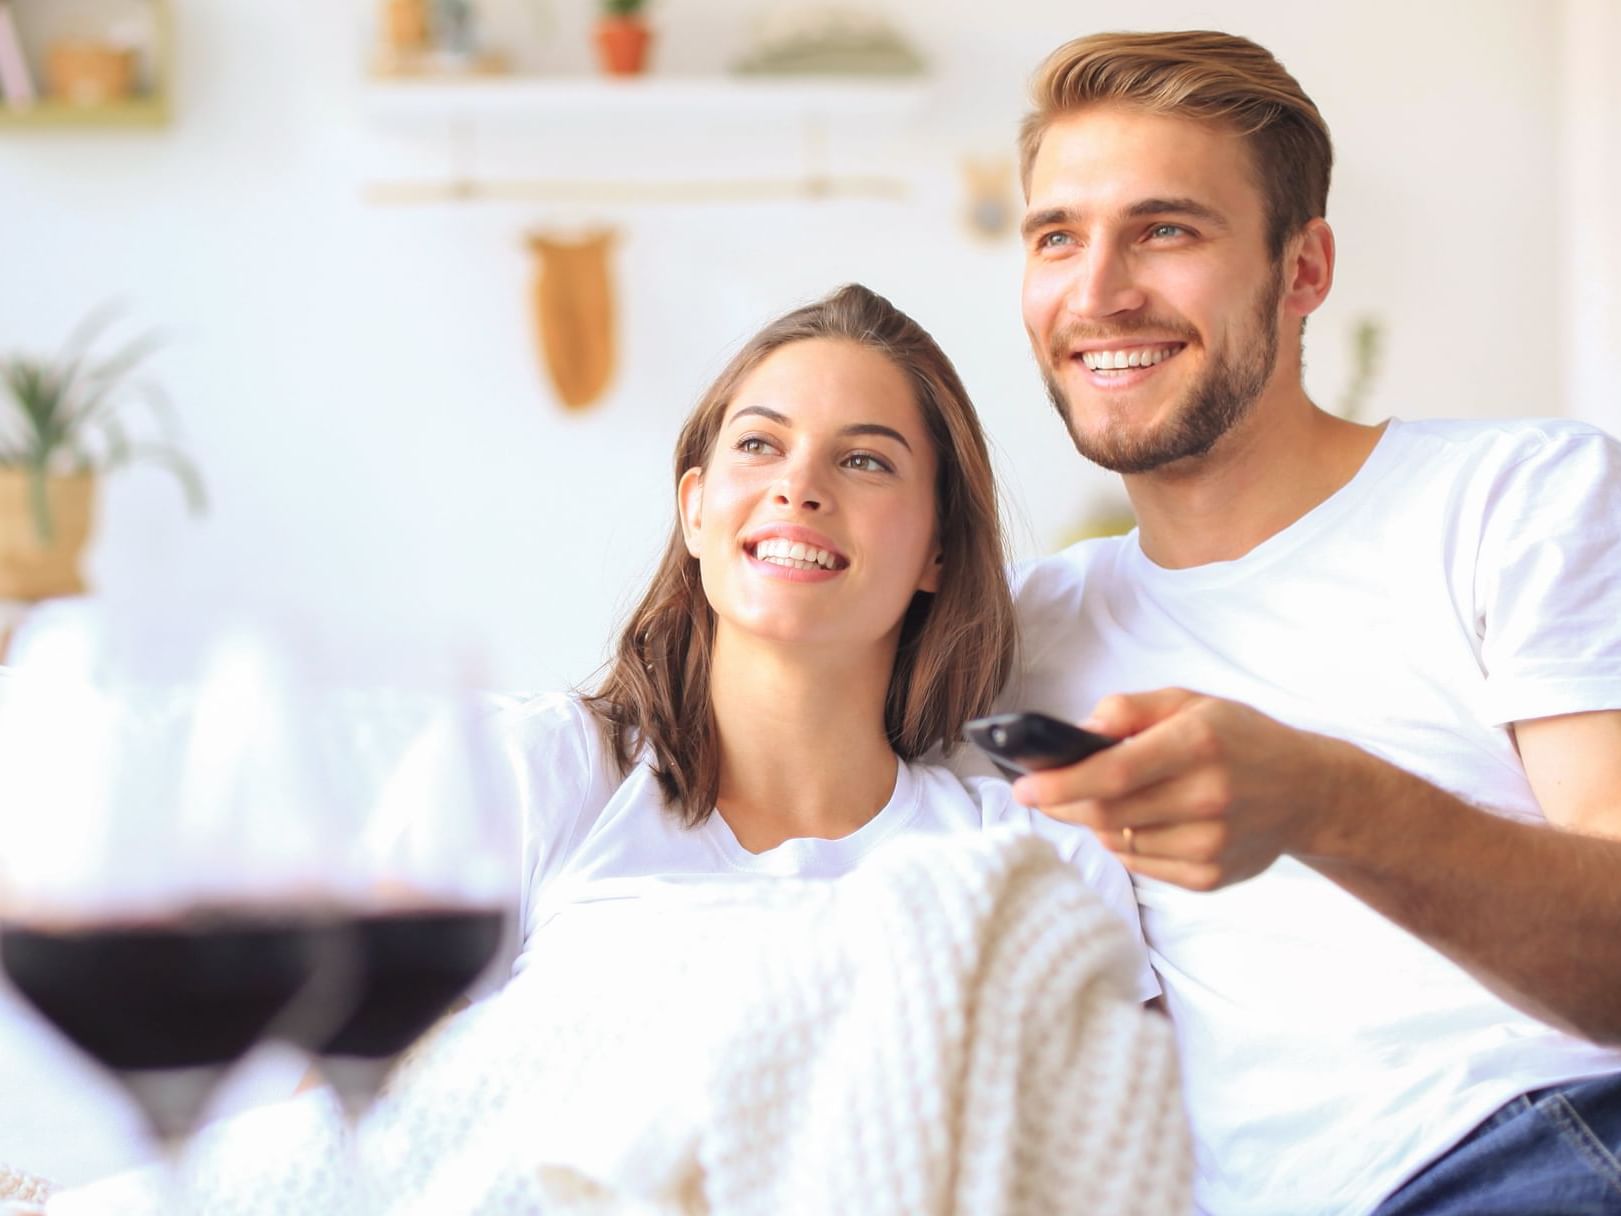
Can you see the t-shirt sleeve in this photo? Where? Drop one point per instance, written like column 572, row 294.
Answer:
column 1548, row 583
column 553, row 758
column 1097, row 866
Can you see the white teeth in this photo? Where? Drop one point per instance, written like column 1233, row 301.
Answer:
column 794, row 554
column 1116, row 360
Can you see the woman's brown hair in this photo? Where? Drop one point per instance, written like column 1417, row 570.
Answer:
column 1205, row 76
column 956, row 644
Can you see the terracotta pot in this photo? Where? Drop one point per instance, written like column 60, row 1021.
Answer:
column 622, row 44
column 29, row 569
column 90, row 73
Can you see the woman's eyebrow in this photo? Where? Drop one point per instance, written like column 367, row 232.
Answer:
column 855, row 428
column 876, row 428
column 763, row 412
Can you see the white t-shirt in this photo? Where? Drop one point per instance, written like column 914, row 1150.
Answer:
column 1469, row 576
column 591, row 835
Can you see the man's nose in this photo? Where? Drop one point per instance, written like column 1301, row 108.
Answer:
column 1104, row 284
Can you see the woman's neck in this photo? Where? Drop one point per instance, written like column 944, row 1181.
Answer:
column 803, row 748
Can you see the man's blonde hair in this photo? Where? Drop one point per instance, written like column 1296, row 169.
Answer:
column 1205, row 76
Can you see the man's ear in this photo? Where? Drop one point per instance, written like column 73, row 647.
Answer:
column 689, row 498
column 1308, row 268
column 931, row 572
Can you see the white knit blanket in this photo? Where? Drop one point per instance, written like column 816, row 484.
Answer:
column 949, row 1029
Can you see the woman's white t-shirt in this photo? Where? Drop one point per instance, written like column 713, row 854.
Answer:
column 592, row 835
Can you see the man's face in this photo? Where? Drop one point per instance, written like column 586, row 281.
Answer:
column 1150, row 297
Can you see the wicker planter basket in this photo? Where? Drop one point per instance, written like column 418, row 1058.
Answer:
column 30, row 569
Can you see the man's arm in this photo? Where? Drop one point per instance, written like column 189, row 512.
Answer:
column 1213, row 792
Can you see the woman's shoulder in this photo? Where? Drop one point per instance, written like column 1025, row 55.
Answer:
column 555, row 743
column 539, row 713
column 965, row 798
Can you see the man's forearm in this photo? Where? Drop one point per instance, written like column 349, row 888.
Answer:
column 1532, row 911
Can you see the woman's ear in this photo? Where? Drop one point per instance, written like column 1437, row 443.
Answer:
column 689, row 497
column 930, row 581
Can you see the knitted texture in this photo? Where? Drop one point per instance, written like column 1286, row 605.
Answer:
column 21, row 1191
column 949, row 1029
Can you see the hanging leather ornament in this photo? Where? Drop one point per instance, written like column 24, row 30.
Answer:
column 990, row 202
column 574, row 314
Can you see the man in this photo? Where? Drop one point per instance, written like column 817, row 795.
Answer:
column 1368, row 678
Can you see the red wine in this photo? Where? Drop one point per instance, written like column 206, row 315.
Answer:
column 194, row 992
column 413, row 967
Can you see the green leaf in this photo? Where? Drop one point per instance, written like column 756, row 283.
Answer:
column 75, row 413
column 183, row 471
column 39, row 499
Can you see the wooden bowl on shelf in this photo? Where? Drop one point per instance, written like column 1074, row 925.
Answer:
column 88, row 73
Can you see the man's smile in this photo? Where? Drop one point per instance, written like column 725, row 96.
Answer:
column 1127, row 357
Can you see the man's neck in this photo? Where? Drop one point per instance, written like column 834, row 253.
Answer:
column 1284, row 458
column 803, row 747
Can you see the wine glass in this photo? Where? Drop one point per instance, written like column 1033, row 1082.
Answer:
column 428, row 850
column 164, row 902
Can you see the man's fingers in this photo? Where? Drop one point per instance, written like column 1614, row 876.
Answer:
column 1168, row 753
column 1201, row 843
column 1193, row 875
column 1130, row 713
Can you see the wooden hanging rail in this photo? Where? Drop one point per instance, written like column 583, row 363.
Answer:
column 607, row 192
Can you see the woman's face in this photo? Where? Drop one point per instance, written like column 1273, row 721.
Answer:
column 813, row 522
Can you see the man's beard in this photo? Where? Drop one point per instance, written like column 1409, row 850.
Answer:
column 1213, row 404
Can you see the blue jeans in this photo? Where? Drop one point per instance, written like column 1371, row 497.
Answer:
column 1551, row 1152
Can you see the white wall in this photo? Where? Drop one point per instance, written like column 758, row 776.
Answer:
column 359, row 383
column 1590, row 184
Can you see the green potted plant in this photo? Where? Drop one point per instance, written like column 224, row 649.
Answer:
column 63, row 423
column 623, row 37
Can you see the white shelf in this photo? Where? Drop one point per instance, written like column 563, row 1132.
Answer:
column 411, row 100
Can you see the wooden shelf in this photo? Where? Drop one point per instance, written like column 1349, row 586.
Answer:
column 474, row 97
column 50, row 115
column 456, row 106
column 148, row 110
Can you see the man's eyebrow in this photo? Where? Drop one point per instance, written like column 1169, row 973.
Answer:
column 1046, row 218
column 1049, row 217
column 855, row 428
column 1178, row 206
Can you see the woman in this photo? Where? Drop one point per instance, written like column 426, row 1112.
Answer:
column 831, row 606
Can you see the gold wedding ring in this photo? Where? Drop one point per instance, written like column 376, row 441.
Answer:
column 1129, row 837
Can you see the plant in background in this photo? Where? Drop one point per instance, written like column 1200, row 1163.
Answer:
column 623, row 37
column 70, row 416
column 1367, row 346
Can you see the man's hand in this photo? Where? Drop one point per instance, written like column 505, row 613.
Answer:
column 1201, row 792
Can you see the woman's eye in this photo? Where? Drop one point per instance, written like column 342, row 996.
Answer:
column 867, row 462
column 753, row 445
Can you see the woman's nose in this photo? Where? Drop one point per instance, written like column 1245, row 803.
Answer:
column 801, row 488
column 794, row 496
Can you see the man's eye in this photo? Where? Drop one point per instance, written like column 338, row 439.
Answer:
column 1048, row 239
column 1166, row 231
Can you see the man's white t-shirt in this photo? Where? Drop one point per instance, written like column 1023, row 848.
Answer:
column 1467, row 578
column 591, row 835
